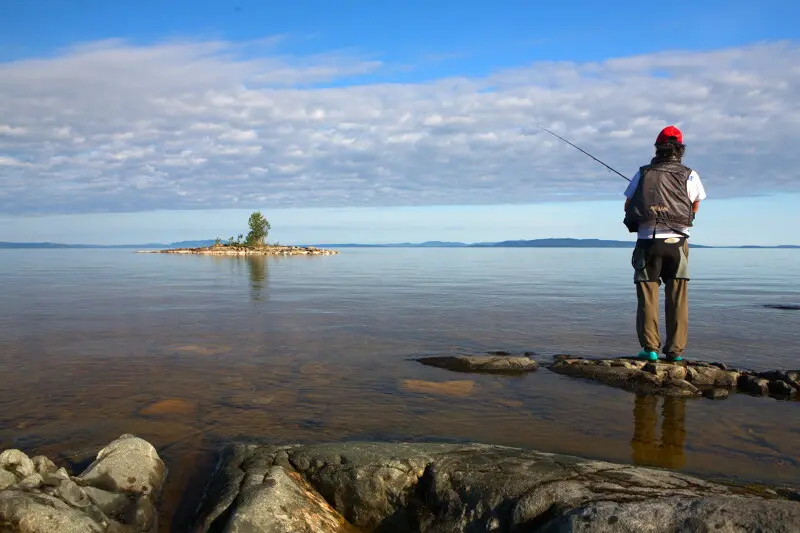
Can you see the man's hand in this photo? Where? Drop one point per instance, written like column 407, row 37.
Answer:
column 627, row 203
column 695, row 206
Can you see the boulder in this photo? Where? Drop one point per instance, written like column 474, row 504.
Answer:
column 716, row 394
column 114, row 495
column 445, row 488
column 500, row 364
column 753, row 384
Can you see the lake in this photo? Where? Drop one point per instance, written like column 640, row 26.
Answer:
column 191, row 351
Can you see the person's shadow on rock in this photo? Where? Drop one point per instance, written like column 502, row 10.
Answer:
column 668, row 451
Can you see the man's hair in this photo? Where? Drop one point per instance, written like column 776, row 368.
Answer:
column 670, row 150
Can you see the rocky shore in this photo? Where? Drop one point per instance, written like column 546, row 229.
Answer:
column 384, row 487
column 242, row 250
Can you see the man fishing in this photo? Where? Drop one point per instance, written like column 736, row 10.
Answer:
column 661, row 202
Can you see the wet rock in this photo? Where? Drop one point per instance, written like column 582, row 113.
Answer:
column 753, row 384
column 485, row 364
column 114, row 495
column 17, row 463
column 781, row 388
column 721, row 366
column 716, row 394
column 789, row 376
column 447, row 488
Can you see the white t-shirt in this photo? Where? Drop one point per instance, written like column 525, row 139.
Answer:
column 695, row 190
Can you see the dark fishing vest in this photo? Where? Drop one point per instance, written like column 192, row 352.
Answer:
column 661, row 196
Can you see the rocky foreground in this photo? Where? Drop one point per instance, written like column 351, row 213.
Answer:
column 444, row 488
column 117, row 493
column 384, row 487
column 243, row 250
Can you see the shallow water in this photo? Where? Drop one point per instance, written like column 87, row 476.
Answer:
column 190, row 351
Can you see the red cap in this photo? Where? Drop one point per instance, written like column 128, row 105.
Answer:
column 670, row 131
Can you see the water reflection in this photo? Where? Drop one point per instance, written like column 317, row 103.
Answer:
column 668, row 451
column 258, row 271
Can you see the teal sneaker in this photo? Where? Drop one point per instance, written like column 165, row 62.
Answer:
column 673, row 357
column 647, row 355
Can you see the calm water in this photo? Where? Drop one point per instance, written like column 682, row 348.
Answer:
column 190, row 351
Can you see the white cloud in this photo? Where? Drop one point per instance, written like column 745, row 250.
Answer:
column 113, row 127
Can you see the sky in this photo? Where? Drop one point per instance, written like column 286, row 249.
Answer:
column 139, row 122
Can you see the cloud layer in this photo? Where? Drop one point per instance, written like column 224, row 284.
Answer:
column 110, row 126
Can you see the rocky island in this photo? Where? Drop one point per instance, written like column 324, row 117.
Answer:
column 275, row 249
column 252, row 244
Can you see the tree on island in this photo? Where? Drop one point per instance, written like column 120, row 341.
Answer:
column 259, row 229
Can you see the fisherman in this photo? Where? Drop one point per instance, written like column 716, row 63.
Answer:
column 662, row 200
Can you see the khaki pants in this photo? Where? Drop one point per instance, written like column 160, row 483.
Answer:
column 655, row 261
column 676, row 311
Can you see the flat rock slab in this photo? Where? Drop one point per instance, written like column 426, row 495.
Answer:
column 443, row 488
column 497, row 364
column 684, row 378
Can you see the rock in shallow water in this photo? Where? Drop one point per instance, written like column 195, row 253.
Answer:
column 482, row 363
column 716, row 394
column 753, row 385
column 455, row 488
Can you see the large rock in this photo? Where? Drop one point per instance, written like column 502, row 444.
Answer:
column 446, row 488
column 499, row 364
column 115, row 494
column 284, row 501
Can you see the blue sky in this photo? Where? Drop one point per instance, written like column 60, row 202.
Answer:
column 377, row 122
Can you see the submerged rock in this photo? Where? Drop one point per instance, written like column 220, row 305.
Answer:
column 501, row 364
column 447, row 488
column 784, row 307
column 114, row 494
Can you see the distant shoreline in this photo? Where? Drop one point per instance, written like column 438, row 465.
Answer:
column 533, row 243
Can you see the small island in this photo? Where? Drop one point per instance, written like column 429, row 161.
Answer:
column 253, row 244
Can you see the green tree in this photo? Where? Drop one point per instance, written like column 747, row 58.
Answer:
column 259, row 229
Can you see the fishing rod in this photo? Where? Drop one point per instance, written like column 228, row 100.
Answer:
column 585, row 152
